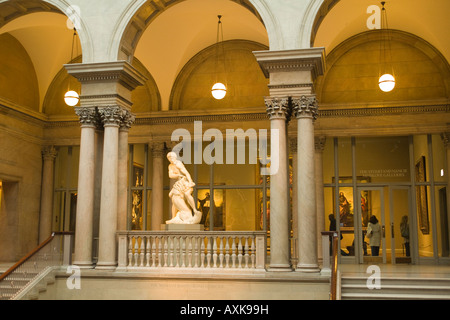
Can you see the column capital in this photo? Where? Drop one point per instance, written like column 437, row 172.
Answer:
column 49, row 153
column 157, row 148
column 127, row 120
column 305, row 107
column 88, row 116
column 278, row 108
column 111, row 115
column 319, row 143
column 445, row 136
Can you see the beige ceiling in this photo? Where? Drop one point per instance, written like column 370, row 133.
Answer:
column 187, row 28
column 426, row 19
column 48, row 41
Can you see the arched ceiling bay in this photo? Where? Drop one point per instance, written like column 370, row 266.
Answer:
column 346, row 18
column 185, row 29
column 47, row 39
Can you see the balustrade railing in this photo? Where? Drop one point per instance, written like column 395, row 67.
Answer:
column 53, row 252
column 169, row 249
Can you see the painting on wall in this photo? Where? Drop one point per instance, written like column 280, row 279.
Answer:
column 204, row 205
column 421, row 196
column 347, row 205
column 137, row 198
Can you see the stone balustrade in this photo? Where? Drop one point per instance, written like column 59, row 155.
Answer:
column 139, row 250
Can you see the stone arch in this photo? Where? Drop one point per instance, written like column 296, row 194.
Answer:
column 10, row 10
column 139, row 15
column 199, row 73
column 412, row 57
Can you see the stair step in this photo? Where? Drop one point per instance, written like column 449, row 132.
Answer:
column 392, row 296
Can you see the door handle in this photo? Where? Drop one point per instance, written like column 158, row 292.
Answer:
column 392, row 230
column 384, row 231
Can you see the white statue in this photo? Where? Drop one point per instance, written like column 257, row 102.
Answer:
column 183, row 205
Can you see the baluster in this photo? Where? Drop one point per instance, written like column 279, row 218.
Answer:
column 253, row 255
column 154, row 251
column 147, row 252
column 240, row 252
column 180, row 251
column 130, row 251
column 208, row 252
column 166, row 251
column 221, row 255
column 195, row 240
column 171, row 256
column 202, row 252
column 246, row 256
column 160, row 252
column 227, row 252
column 233, row 252
column 190, row 255
column 214, row 239
column 142, row 251
column 136, row 252
column 183, row 248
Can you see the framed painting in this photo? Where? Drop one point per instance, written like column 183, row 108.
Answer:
column 204, row 205
column 347, row 202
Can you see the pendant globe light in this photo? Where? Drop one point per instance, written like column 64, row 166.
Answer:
column 386, row 81
column 219, row 90
column 71, row 98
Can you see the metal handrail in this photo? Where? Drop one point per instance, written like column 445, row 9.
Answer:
column 334, row 268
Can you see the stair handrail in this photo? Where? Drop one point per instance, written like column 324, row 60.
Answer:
column 66, row 256
column 334, row 268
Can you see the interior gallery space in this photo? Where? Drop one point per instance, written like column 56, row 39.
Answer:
column 232, row 142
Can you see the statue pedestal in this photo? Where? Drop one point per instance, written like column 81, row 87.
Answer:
column 182, row 227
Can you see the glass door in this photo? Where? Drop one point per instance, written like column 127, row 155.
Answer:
column 370, row 233
column 400, row 221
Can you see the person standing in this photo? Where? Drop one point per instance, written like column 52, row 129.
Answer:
column 404, row 230
column 374, row 235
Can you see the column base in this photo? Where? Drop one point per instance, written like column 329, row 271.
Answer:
column 308, row 268
column 279, row 268
column 106, row 266
column 84, row 264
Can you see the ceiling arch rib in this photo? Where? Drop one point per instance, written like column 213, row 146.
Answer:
column 146, row 14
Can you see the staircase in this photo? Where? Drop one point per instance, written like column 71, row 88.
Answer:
column 395, row 288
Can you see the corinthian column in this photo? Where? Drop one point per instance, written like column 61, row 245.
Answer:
column 278, row 111
column 127, row 120
column 85, row 199
column 305, row 110
column 111, row 118
column 45, row 219
column 157, row 185
column 320, row 206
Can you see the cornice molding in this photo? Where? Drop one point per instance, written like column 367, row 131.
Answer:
column 119, row 71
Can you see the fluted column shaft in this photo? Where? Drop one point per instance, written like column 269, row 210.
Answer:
column 157, row 185
column 278, row 111
column 305, row 110
column 111, row 118
column 320, row 205
column 85, row 197
column 45, row 218
column 122, row 174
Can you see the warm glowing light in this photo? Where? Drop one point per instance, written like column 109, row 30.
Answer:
column 386, row 82
column 71, row 98
column 219, row 91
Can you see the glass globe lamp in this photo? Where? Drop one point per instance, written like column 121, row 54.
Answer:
column 71, row 98
column 219, row 91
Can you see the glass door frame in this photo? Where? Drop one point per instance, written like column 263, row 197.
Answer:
column 358, row 223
